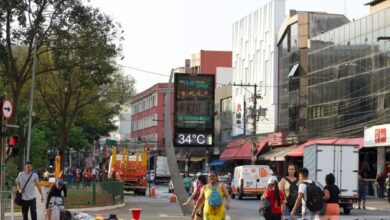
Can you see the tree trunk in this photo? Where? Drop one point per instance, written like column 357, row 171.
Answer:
column 63, row 144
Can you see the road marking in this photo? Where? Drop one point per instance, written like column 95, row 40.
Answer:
column 170, row 216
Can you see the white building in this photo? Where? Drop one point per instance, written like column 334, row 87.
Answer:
column 255, row 62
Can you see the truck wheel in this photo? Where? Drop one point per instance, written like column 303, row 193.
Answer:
column 136, row 192
column 347, row 211
column 258, row 197
column 233, row 195
column 142, row 192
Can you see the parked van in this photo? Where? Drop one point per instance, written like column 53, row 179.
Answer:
column 250, row 180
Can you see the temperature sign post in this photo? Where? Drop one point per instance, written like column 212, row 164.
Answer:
column 194, row 110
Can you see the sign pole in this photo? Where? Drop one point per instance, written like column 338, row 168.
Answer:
column 3, row 197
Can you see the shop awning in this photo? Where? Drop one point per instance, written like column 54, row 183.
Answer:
column 241, row 149
column 298, row 152
column 217, row 163
column 281, row 156
column 197, row 159
column 269, row 155
column 181, row 155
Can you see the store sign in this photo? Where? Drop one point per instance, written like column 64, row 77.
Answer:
column 377, row 136
column 194, row 110
column 238, row 115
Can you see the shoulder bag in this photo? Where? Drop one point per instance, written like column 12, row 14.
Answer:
column 18, row 196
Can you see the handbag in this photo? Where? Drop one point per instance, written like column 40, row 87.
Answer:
column 18, row 196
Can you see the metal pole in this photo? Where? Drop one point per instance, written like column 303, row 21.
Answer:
column 31, row 100
column 3, row 197
column 254, row 116
column 172, row 164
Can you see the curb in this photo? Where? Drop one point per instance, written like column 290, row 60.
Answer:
column 90, row 209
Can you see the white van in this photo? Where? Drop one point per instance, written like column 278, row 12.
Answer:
column 250, row 180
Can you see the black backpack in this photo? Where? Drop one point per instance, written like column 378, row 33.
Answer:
column 314, row 201
column 292, row 193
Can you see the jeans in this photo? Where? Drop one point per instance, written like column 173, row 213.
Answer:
column 32, row 205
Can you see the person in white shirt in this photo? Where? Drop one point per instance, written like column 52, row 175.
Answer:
column 25, row 183
column 302, row 195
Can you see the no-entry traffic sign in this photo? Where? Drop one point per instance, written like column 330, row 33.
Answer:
column 7, row 109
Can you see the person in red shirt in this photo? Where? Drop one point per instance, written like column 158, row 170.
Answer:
column 276, row 198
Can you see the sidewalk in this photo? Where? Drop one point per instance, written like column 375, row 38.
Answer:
column 376, row 204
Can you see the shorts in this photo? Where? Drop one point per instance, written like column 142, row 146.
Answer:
column 362, row 195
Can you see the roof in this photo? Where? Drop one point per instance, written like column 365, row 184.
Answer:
column 298, row 152
column 374, row 2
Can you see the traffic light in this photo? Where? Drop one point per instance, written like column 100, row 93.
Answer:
column 13, row 141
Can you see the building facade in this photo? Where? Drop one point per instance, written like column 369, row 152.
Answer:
column 148, row 117
column 255, row 63
column 348, row 82
column 293, row 67
column 207, row 61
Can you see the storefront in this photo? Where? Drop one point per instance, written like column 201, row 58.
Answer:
column 376, row 138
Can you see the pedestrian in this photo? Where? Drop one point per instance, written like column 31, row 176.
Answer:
column 362, row 186
column 303, row 196
column 388, row 186
column 331, row 198
column 57, row 196
column 212, row 196
column 27, row 179
column 289, row 186
column 201, row 181
column 380, row 180
column 69, row 175
column 187, row 182
column 78, row 177
column 276, row 198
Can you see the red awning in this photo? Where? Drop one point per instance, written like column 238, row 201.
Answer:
column 241, row 149
column 298, row 152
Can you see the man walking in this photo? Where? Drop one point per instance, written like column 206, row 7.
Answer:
column 388, row 186
column 302, row 195
column 25, row 184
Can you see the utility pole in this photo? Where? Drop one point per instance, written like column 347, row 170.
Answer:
column 171, row 157
column 254, row 122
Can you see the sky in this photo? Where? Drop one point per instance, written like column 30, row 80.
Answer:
column 160, row 34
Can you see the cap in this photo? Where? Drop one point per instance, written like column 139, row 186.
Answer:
column 272, row 180
column 60, row 182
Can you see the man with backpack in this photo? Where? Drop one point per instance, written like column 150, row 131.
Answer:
column 309, row 195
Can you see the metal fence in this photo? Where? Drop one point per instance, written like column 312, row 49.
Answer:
column 96, row 193
column 7, row 200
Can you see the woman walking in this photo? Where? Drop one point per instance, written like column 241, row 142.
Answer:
column 201, row 181
column 276, row 198
column 289, row 186
column 212, row 196
column 331, row 198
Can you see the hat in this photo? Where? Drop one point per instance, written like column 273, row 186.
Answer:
column 112, row 217
column 60, row 182
column 272, row 180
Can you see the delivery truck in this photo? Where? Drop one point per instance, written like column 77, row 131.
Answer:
column 162, row 171
column 250, row 180
column 340, row 160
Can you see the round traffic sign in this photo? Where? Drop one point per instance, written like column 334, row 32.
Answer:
column 7, row 109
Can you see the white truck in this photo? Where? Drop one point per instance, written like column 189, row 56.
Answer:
column 162, row 170
column 250, row 180
column 340, row 160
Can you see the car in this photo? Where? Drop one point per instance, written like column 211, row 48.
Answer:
column 227, row 181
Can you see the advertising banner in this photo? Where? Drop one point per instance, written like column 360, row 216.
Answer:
column 238, row 115
column 377, row 136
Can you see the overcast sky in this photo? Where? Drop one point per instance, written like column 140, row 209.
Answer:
column 161, row 34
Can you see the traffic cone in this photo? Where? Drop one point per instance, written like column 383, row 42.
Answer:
column 173, row 198
column 153, row 193
column 99, row 217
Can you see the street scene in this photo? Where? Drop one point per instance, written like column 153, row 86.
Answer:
column 205, row 110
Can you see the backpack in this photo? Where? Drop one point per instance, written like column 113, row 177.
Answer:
column 292, row 193
column 215, row 198
column 314, row 201
column 265, row 208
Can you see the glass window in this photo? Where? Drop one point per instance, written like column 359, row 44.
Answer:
column 363, row 26
column 381, row 19
column 375, row 22
column 387, row 17
column 369, row 24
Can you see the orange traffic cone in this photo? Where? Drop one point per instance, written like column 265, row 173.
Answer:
column 173, row 198
column 153, row 193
